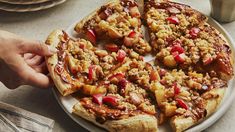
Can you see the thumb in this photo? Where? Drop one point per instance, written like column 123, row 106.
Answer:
column 37, row 47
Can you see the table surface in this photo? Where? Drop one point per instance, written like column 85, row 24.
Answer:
column 37, row 25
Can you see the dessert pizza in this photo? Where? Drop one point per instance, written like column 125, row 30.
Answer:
column 104, row 68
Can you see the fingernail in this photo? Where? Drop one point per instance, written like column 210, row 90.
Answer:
column 52, row 49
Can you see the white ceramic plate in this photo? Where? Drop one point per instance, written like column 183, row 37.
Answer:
column 67, row 102
column 31, row 7
column 23, row 2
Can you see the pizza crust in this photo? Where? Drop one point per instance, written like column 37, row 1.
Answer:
column 231, row 58
column 180, row 123
column 138, row 123
column 64, row 88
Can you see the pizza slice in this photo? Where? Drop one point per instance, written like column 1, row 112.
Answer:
column 105, row 95
column 186, row 99
column 117, row 21
column 182, row 38
column 127, row 105
column 58, row 64
column 78, row 62
column 76, row 65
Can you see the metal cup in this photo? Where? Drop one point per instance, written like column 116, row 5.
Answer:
column 223, row 10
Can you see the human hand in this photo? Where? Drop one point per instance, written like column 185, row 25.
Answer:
column 22, row 61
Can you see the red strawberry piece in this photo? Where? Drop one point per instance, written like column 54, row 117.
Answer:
column 90, row 72
column 90, row 34
column 110, row 100
column 181, row 103
column 97, row 98
column 122, row 83
column 111, row 47
column 194, row 32
column 173, row 20
column 121, row 55
column 176, row 88
column 177, row 48
column 179, row 58
column 82, row 46
column 132, row 34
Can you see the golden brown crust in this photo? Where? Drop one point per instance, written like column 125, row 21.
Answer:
column 79, row 25
column 213, row 103
column 138, row 123
column 64, row 88
column 215, row 96
column 231, row 59
column 181, row 123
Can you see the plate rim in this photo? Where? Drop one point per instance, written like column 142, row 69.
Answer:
column 27, row 8
column 209, row 121
column 17, row 2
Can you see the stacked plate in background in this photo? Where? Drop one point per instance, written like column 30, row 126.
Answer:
column 28, row 5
